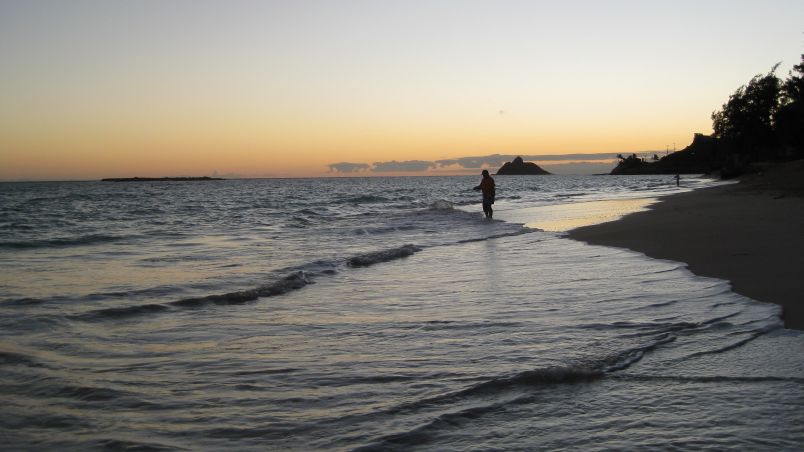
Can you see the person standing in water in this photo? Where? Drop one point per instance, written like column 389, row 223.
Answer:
column 487, row 187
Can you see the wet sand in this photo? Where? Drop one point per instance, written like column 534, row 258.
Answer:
column 750, row 233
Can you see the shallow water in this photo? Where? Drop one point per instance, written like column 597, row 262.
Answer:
column 371, row 314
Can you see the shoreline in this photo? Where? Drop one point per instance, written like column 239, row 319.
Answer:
column 750, row 234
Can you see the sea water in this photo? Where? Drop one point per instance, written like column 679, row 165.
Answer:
column 372, row 314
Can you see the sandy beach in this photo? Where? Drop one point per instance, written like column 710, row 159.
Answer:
column 750, row 233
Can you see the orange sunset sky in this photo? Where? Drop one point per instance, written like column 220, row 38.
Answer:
column 95, row 89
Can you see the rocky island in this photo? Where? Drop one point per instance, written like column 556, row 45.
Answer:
column 520, row 167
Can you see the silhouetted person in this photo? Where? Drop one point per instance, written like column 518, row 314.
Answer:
column 678, row 180
column 487, row 187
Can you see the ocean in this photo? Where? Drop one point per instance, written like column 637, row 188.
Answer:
column 373, row 314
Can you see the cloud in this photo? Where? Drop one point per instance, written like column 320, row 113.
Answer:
column 595, row 156
column 346, row 167
column 410, row 165
column 578, row 168
column 576, row 163
column 477, row 162
column 496, row 160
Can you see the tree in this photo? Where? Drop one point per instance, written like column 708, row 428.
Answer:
column 789, row 118
column 747, row 118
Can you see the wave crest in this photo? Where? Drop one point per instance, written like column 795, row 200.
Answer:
column 368, row 259
column 59, row 242
column 441, row 204
column 295, row 280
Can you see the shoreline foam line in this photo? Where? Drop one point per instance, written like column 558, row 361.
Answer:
column 747, row 234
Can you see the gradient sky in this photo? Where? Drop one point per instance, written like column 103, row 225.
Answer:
column 92, row 89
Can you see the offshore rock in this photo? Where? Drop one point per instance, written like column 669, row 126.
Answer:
column 520, row 167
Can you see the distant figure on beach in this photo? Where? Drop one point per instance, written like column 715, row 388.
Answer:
column 678, row 180
column 487, row 187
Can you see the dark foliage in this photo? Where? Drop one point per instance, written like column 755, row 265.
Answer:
column 746, row 120
column 789, row 120
column 762, row 121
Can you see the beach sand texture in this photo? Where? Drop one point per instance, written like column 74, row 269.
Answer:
column 750, row 233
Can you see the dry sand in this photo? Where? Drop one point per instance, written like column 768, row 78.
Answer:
column 751, row 234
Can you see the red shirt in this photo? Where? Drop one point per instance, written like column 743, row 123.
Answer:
column 487, row 186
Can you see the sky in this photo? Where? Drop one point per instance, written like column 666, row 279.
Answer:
column 92, row 89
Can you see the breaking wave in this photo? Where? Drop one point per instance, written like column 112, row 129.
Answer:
column 441, row 205
column 299, row 277
column 365, row 199
column 368, row 259
column 291, row 282
column 91, row 239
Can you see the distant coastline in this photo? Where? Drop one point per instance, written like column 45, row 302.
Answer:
column 159, row 179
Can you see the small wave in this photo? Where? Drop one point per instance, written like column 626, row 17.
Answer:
column 263, row 432
column 293, row 281
column 441, row 205
column 18, row 226
column 47, row 199
column 629, row 357
column 59, row 242
column 425, row 432
column 495, row 385
column 498, row 236
column 472, row 326
column 87, row 394
column 314, row 268
column 28, row 323
column 709, row 379
column 556, row 374
column 176, row 258
column 733, row 345
column 535, row 377
column 290, row 282
column 365, row 380
column 384, row 230
column 365, row 199
column 368, row 259
column 152, row 292
column 295, row 277
column 286, row 370
column 13, row 359
column 652, row 326
column 310, row 212
column 118, row 444
column 28, row 301
column 121, row 313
